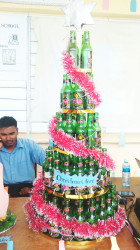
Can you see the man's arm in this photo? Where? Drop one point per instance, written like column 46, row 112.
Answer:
column 1, row 144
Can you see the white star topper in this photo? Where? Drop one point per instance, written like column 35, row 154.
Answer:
column 78, row 13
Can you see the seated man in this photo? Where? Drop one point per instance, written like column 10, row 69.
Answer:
column 18, row 157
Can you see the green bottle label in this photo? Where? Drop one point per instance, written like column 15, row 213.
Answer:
column 74, row 55
column 78, row 100
column 86, row 59
column 66, row 100
column 97, row 139
column 89, row 104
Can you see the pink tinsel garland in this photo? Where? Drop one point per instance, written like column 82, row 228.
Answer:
column 70, row 144
column 81, row 78
column 41, row 215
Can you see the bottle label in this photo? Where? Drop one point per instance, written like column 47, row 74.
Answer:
column 86, row 59
column 57, row 161
column 89, row 103
column 73, row 53
column 80, row 209
column 50, row 159
column 66, row 100
column 81, row 121
column 81, row 137
column 47, row 175
column 66, row 210
column 69, row 121
column 66, row 164
column 92, row 208
column 91, row 163
column 80, row 165
column 97, row 139
column 78, row 100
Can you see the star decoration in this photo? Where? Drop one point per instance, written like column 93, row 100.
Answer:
column 78, row 13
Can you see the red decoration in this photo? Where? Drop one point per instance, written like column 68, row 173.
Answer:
column 81, row 78
column 36, row 207
column 70, row 144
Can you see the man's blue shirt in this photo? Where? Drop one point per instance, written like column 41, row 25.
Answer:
column 18, row 166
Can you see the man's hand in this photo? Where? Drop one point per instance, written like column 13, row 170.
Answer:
column 1, row 144
column 25, row 190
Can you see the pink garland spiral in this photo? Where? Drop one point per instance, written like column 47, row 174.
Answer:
column 70, row 144
column 36, row 207
column 81, row 78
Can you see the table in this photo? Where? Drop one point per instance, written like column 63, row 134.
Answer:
column 26, row 239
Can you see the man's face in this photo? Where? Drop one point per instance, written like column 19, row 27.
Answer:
column 9, row 136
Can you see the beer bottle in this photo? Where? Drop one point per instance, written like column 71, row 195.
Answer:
column 67, row 94
column 109, row 210
column 92, row 217
column 48, row 167
column 73, row 48
column 80, row 128
column 97, row 206
column 67, row 211
column 101, row 176
column 90, row 130
column 103, row 213
column 86, row 53
column 74, row 167
column 57, row 167
column 114, row 198
column 60, row 124
column 80, row 190
column 86, row 208
column 69, row 128
column 78, row 98
column 88, row 102
column 54, row 231
column 61, row 91
column 80, row 215
column 85, row 166
column 97, row 136
column 68, row 171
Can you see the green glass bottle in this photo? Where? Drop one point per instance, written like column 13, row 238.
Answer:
column 48, row 167
column 69, row 128
column 74, row 167
column 67, row 211
column 98, row 206
column 85, row 166
column 97, row 135
column 68, row 171
column 73, row 48
column 90, row 130
column 61, row 91
column 80, row 128
column 101, row 176
column 114, row 198
column 86, row 208
column 80, row 173
column 78, row 98
column 80, row 214
column 86, row 53
column 88, row 102
column 92, row 217
column 103, row 213
column 60, row 124
column 54, row 231
column 109, row 210
column 57, row 167
column 67, row 97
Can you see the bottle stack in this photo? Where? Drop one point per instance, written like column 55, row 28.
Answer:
column 92, row 203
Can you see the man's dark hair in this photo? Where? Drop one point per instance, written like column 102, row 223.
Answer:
column 7, row 121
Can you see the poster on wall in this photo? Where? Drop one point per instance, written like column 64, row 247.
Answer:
column 13, row 47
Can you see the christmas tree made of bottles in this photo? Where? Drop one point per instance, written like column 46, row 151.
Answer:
column 74, row 199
